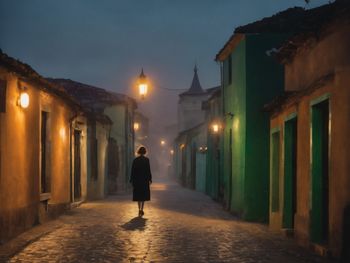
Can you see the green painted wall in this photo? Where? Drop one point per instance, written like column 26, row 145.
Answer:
column 234, row 101
column 213, row 153
column 256, row 79
column 264, row 82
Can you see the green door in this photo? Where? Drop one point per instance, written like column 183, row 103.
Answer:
column 319, row 174
column 290, row 154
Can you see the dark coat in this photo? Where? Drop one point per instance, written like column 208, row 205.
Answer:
column 141, row 178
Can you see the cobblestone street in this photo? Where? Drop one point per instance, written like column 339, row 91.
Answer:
column 179, row 225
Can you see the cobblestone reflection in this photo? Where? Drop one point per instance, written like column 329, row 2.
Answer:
column 179, row 225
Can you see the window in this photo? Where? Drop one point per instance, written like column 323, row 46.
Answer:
column 2, row 95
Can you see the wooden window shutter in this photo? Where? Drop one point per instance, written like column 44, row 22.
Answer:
column 2, row 95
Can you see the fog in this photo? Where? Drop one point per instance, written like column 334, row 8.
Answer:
column 106, row 43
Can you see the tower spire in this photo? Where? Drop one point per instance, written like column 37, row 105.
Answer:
column 196, row 87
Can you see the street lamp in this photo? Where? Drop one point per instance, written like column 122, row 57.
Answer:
column 142, row 85
column 162, row 142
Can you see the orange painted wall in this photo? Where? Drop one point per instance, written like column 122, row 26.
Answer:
column 20, row 156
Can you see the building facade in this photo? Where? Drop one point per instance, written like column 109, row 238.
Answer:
column 309, row 149
column 35, row 139
column 250, row 79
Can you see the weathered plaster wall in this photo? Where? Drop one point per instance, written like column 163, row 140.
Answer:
column 264, row 81
column 122, row 131
column 190, row 112
column 312, row 63
column 339, row 168
column 20, row 157
column 117, row 114
column 96, row 187
column 234, row 102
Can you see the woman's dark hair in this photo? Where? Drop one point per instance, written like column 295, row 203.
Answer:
column 141, row 150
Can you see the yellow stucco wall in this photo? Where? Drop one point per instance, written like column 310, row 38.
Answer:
column 339, row 168
column 20, row 156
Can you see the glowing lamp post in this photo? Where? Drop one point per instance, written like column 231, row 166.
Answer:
column 162, row 142
column 142, row 85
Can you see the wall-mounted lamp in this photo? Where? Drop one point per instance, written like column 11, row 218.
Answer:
column 23, row 99
column 136, row 126
column 202, row 149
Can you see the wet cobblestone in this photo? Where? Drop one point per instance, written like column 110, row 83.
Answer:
column 179, row 225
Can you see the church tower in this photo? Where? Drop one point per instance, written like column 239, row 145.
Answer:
column 190, row 113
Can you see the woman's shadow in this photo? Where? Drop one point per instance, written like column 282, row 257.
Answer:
column 137, row 223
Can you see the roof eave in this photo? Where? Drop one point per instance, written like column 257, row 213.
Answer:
column 229, row 46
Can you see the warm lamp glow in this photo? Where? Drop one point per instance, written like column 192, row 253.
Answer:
column 142, row 85
column 136, row 126
column 172, row 152
column 162, row 142
column 143, row 90
column 215, row 128
column 23, row 100
column 63, row 133
column 182, row 146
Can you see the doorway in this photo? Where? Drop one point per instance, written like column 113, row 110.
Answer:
column 319, row 172
column 45, row 179
column 77, row 165
column 275, row 171
column 290, row 168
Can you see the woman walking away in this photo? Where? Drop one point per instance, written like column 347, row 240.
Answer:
column 141, row 178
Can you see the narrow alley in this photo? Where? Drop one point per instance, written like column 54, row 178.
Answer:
column 179, row 225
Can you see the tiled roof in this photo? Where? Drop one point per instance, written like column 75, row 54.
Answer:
column 313, row 25
column 90, row 96
column 300, row 23
column 286, row 21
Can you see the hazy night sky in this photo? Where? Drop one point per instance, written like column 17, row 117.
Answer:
column 105, row 43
